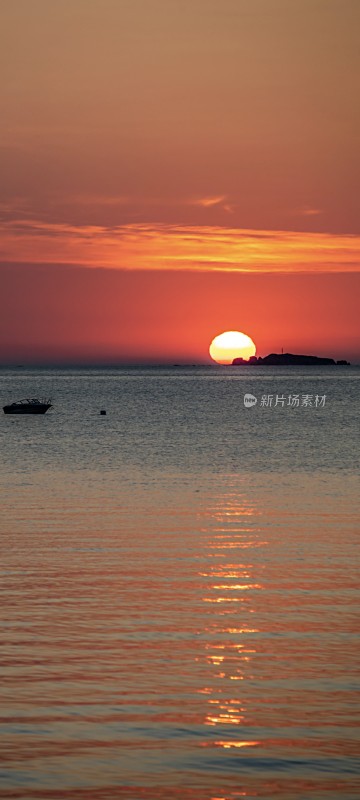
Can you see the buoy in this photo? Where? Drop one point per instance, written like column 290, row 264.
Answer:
column 103, row 412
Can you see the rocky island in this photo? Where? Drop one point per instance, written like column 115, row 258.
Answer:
column 288, row 359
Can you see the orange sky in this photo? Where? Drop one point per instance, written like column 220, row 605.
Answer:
column 182, row 147
column 76, row 314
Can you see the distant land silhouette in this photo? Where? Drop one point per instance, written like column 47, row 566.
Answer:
column 288, row 359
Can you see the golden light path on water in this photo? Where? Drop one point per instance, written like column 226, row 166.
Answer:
column 227, row 648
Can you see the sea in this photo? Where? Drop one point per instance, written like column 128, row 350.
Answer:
column 179, row 584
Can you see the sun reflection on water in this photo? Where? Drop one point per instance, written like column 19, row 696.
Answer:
column 227, row 645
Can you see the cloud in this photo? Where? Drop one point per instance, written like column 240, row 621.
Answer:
column 307, row 211
column 127, row 200
column 165, row 246
column 13, row 206
column 98, row 200
column 81, row 207
column 207, row 202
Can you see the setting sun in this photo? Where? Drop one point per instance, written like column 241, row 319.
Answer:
column 231, row 344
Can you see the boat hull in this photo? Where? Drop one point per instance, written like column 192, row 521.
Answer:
column 36, row 409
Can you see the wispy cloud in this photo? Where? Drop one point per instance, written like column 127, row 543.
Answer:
column 14, row 206
column 309, row 212
column 128, row 205
column 161, row 246
column 98, row 200
column 207, row 202
column 130, row 201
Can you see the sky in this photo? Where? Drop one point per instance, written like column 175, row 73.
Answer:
column 174, row 168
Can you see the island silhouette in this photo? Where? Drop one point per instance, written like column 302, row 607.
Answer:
column 288, row 359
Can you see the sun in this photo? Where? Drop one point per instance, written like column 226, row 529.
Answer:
column 231, row 344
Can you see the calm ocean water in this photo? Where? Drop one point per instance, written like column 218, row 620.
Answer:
column 179, row 585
